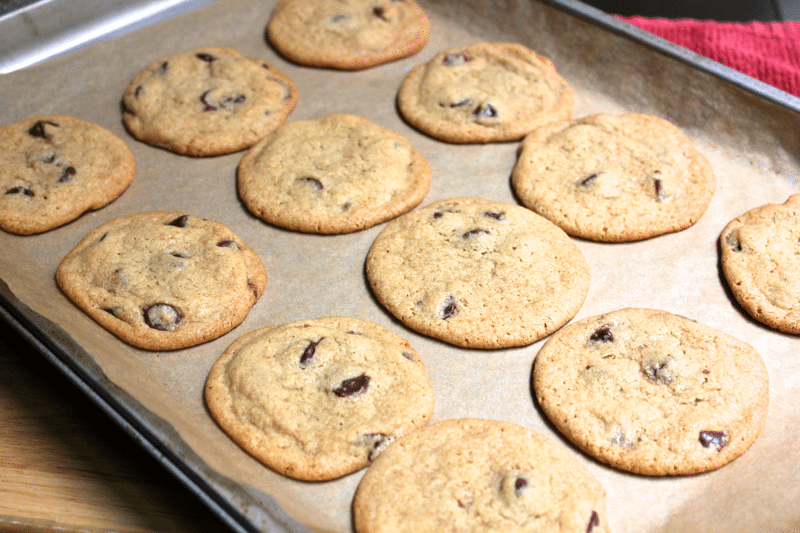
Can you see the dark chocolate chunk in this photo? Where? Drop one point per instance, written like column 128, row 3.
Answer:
column 485, row 110
column 163, row 317
column 657, row 369
column 602, row 334
column 227, row 244
column 67, row 175
column 253, row 287
column 352, row 386
column 594, row 521
column 659, row 190
column 450, row 309
column 309, row 352
column 717, row 439
column 164, row 66
column 21, row 190
column 380, row 13
column 38, row 131
column 208, row 58
column 458, row 103
column 589, row 179
column 473, row 232
column 520, row 484
column 179, row 222
column 377, row 443
column 317, row 184
column 454, row 59
column 207, row 106
column 137, row 92
column 229, row 102
column 180, row 255
column 732, row 240
column 496, row 216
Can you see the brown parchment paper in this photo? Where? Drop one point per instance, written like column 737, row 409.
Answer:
column 751, row 143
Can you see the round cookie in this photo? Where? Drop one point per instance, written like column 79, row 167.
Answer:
column 760, row 259
column 163, row 280
column 613, row 178
column 347, row 34
column 318, row 399
column 208, row 101
column 478, row 475
column 652, row 393
column 337, row 174
column 477, row 273
column 53, row 168
column 484, row 92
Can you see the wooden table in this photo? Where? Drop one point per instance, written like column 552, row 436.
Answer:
column 65, row 466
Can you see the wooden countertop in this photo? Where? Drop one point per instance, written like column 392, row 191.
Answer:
column 65, row 466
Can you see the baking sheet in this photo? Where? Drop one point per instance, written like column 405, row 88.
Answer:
column 751, row 141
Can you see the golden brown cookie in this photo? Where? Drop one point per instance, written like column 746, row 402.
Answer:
column 478, row 273
column 163, row 280
column 207, row 101
column 336, row 174
column 760, row 259
column 484, row 92
column 54, row 168
column 318, row 399
column 614, row 178
column 652, row 393
column 478, row 475
column 347, row 34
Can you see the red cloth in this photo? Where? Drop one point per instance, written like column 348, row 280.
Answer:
column 769, row 52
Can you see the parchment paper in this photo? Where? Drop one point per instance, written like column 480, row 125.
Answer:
column 751, row 143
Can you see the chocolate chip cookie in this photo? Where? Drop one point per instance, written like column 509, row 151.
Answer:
column 652, row 393
column 163, row 280
column 54, row 168
column 347, row 34
column 760, row 258
column 317, row 399
column 207, row 101
column 484, row 92
column 478, row 475
column 478, row 273
column 614, row 178
column 336, row 174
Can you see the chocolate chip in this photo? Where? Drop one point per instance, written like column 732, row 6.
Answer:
column 227, row 244
column 440, row 213
column 732, row 240
column 459, row 103
column 485, row 110
column 520, row 484
column 450, row 309
column 230, row 102
column 380, row 13
column 181, row 255
column 164, row 66
column 208, row 58
column 602, row 334
column 38, row 131
column 589, row 179
column 659, row 190
column 410, row 356
column 253, row 287
column 496, row 216
column 21, row 190
column 457, row 58
column 656, row 368
column 67, row 175
column 717, row 439
column 594, row 521
column 352, row 386
column 309, row 352
column 163, row 317
column 179, row 222
column 317, row 184
column 137, row 91
column 378, row 442
column 207, row 106
column 472, row 233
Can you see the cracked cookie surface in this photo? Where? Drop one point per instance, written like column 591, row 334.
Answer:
column 484, row 92
column 336, row 174
column 760, row 259
column 318, row 399
column 163, row 280
column 652, row 393
column 207, row 101
column 613, row 178
column 347, row 34
column 478, row 475
column 477, row 273
column 54, row 168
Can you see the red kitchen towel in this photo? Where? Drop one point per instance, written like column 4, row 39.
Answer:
column 768, row 51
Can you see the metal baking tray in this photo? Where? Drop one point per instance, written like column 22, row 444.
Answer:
column 242, row 508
